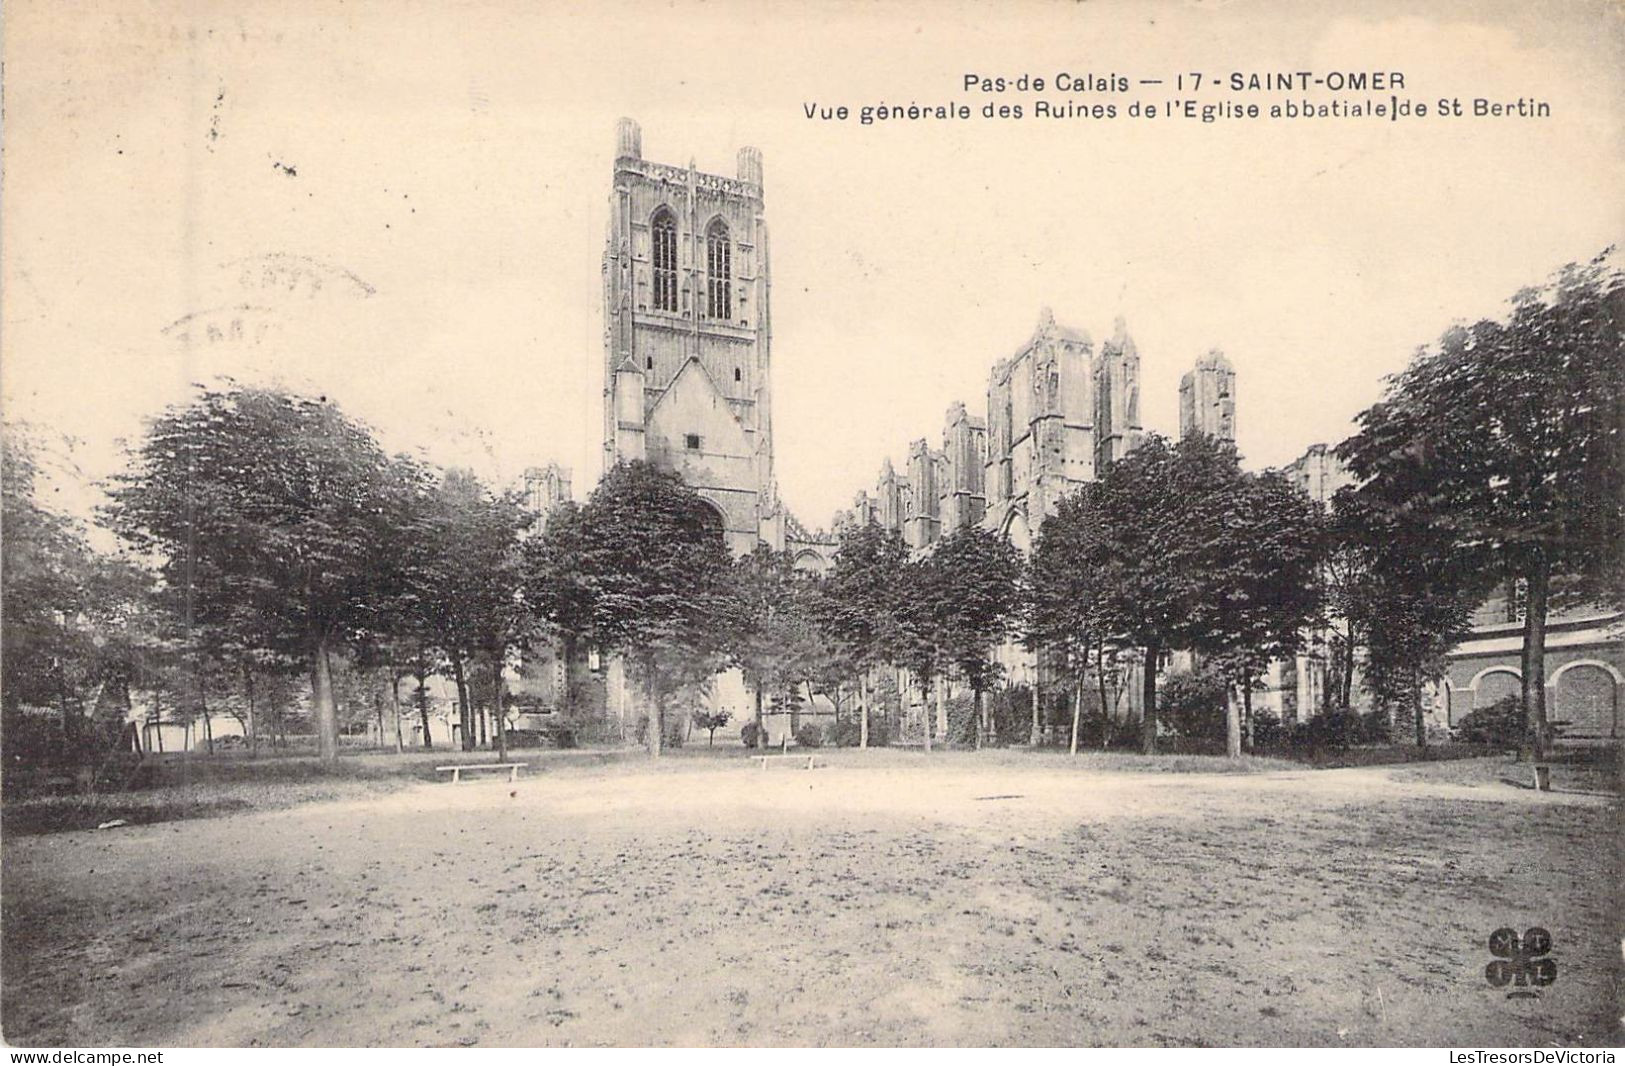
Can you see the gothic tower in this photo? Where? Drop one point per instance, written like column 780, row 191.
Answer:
column 1117, row 398
column 687, row 333
column 1207, row 398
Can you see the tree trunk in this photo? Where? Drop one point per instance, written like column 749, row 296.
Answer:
column 1077, row 715
column 976, row 717
column 863, row 710
column 942, row 708
column 465, row 722
column 1036, row 736
column 761, row 725
column 1416, row 710
column 1534, row 659
column 395, row 703
column 567, row 648
column 321, row 691
column 496, row 703
column 422, row 678
column 208, row 724
column 925, row 709
column 657, row 736
column 1148, row 712
column 1247, row 710
column 253, row 726
column 1232, row 725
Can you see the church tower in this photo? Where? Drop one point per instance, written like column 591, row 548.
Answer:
column 1117, row 398
column 1207, row 398
column 687, row 333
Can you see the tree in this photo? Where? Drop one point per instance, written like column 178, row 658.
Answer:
column 711, row 722
column 656, row 572
column 557, row 589
column 1064, row 599
column 1408, row 588
column 281, row 501
column 859, row 607
column 1508, row 434
column 969, row 601
column 467, row 584
column 45, row 561
column 1263, row 576
column 774, row 639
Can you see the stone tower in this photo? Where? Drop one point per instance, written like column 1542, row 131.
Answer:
column 546, row 488
column 688, row 331
column 1207, row 398
column 1117, row 398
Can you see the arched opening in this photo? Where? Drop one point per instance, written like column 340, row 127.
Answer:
column 1587, row 700
column 663, row 248
column 718, row 270
column 1496, row 683
column 1014, row 530
column 809, row 562
column 711, row 518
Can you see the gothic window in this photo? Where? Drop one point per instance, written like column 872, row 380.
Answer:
column 718, row 270
column 665, row 261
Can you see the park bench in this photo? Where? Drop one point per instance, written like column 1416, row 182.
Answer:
column 513, row 769
column 765, row 759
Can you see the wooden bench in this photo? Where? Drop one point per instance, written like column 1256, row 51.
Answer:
column 765, row 759
column 513, row 769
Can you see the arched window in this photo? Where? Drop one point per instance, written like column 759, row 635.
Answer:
column 665, row 260
column 718, row 270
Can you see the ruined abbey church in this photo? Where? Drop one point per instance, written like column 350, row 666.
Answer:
column 688, row 340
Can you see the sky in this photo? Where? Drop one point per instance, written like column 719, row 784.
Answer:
column 402, row 206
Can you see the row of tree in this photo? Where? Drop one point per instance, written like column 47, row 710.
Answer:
column 269, row 533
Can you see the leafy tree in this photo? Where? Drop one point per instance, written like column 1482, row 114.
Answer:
column 1160, row 511
column 711, row 722
column 468, row 583
column 279, row 501
column 1263, row 573
column 860, row 604
column 1064, row 613
column 1509, row 435
column 1409, row 588
column 656, row 572
column 557, row 588
column 45, row 561
column 968, row 603
column 774, row 639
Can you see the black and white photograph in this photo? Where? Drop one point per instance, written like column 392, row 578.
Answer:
column 538, row 524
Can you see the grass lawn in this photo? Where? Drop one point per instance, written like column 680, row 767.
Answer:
column 885, row 898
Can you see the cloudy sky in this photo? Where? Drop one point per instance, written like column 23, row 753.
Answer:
column 402, row 206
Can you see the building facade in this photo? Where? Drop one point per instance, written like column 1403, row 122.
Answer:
column 688, row 339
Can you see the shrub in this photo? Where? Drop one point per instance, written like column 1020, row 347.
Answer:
column 1267, row 729
column 1375, row 727
column 750, row 734
column 1502, row 722
column 1191, row 703
column 844, row 733
column 810, row 735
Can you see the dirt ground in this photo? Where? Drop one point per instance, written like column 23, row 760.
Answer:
column 946, row 900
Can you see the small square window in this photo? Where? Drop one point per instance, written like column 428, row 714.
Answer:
column 691, row 441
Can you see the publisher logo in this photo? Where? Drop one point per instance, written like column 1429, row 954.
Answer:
column 1520, row 961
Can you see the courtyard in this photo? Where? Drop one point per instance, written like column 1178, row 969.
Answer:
column 885, row 898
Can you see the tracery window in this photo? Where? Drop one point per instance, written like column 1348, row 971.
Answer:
column 718, row 271
column 665, row 261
